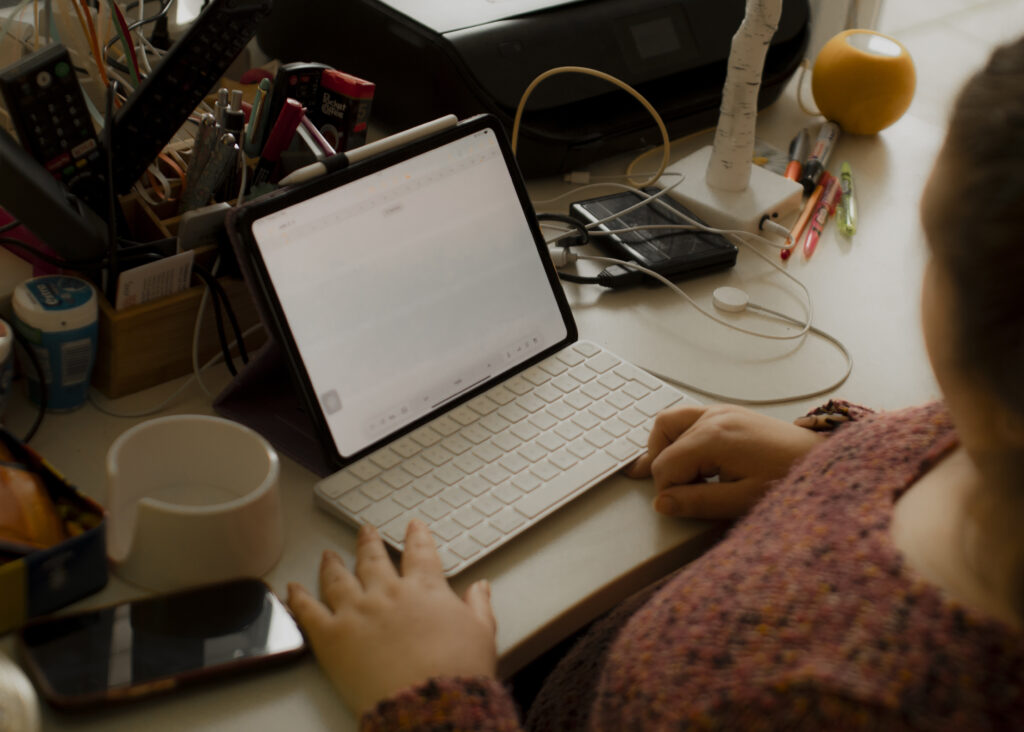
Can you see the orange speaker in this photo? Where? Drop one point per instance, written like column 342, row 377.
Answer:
column 863, row 80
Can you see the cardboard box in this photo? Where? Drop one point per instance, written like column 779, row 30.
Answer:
column 46, row 580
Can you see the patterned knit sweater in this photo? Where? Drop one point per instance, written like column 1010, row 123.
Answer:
column 803, row 617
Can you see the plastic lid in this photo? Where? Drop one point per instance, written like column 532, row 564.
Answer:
column 55, row 303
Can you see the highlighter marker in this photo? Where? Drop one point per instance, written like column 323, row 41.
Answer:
column 826, row 204
column 846, row 210
column 818, row 157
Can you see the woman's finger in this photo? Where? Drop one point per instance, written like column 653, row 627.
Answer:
column 373, row 565
column 478, row 598
column 709, row 500
column 420, row 553
column 337, row 585
column 310, row 613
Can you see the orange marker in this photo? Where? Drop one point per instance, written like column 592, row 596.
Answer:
column 797, row 153
column 805, row 215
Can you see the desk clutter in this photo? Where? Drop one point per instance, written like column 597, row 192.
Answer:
column 122, row 155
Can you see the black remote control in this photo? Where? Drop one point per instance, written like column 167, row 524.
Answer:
column 193, row 66
column 48, row 109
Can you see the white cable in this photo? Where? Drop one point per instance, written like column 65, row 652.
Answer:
column 603, row 183
column 217, row 357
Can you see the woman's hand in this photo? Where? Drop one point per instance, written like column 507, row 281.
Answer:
column 377, row 631
column 744, row 449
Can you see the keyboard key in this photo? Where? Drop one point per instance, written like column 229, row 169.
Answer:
column 468, row 463
column 507, row 493
column 566, row 383
column 518, row 385
column 501, row 395
column 406, row 447
column 550, row 440
column 456, row 444
column 485, row 535
column 526, row 482
column 437, row 455
column 563, row 459
column 417, row 466
column 364, row 469
column 507, row 521
column 446, row 529
column 578, row 400
column 341, row 482
column 564, row 485
column 602, row 362
column 632, row 417
column 445, row 425
column 448, row 474
column 385, row 458
column 560, row 410
column 380, row 513
column 395, row 528
column 435, row 508
column 488, row 505
column 525, row 431
column 475, row 485
column 448, row 560
column 548, row 393
column 507, row 441
column 533, row 452
column 465, row 547
column 495, row 423
column 598, row 437
column 553, row 366
column 487, row 452
column 409, row 497
column 658, row 401
column 426, row 436
column 615, row 427
column 513, row 413
column 586, row 348
column 463, row 415
column 376, row 490
column 639, row 436
column 622, row 449
column 583, row 374
column 475, row 434
column 545, row 470
column 536, row 376
column 602, row 410
column 619, row 400
column 568, row 431
column 513, row 463
column 580, row 448
column 396, row 478
column 543, row 421
column 594, row 390
column 647, row 380
column 530, row 403
column 456, row 497
column 468, row 517
column 586, row 421
column 429, row 485
column 354, row 501
column 611, row 380
column 569, row 357
column 495, row 473
column 482, row 404
column 636, row 390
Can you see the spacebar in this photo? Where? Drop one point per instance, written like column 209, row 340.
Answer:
column 564, row 484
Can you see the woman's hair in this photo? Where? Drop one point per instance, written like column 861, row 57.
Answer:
column 975, row 222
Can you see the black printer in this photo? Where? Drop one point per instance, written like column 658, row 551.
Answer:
column 434, row 57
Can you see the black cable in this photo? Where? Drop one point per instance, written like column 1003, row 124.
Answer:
column 226, row 301
column 580, row 279
column 211, row 285
column 44, row 391
column 12, row 224
column 108, row 129
column 582, row 232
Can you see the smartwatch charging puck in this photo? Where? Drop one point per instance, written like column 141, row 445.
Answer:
column 730, row 299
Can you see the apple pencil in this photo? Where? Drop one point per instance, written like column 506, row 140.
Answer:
column 344, row 159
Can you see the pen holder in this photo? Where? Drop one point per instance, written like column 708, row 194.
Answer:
column 192, row 499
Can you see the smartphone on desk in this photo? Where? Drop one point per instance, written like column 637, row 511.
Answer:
column 156, row 644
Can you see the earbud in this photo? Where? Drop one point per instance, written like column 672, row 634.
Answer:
column 730, row 299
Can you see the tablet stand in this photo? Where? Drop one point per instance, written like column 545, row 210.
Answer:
column 263, row 397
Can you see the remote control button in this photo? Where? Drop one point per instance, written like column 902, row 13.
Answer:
column 44, row 79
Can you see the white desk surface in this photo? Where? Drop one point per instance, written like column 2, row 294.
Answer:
column 608, row 543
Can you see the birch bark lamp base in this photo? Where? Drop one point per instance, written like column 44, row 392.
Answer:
column 766, row 194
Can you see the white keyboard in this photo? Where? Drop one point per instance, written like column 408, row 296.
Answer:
column 492, row 467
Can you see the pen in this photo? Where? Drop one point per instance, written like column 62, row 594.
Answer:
column 220, row 105
column 805, row 215
column 280, row 137
column 797, row 153
column 316, row 138
column 206, row 138
column 257, row 118
column 344, row 159
column 818, row 157
column 826, row 204
column 846, row 209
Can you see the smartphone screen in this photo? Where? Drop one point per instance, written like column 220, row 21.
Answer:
column 157, row 643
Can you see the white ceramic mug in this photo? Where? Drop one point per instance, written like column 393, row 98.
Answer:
column 192, row 499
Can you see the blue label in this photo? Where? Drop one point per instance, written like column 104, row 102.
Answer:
column 59, row 292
